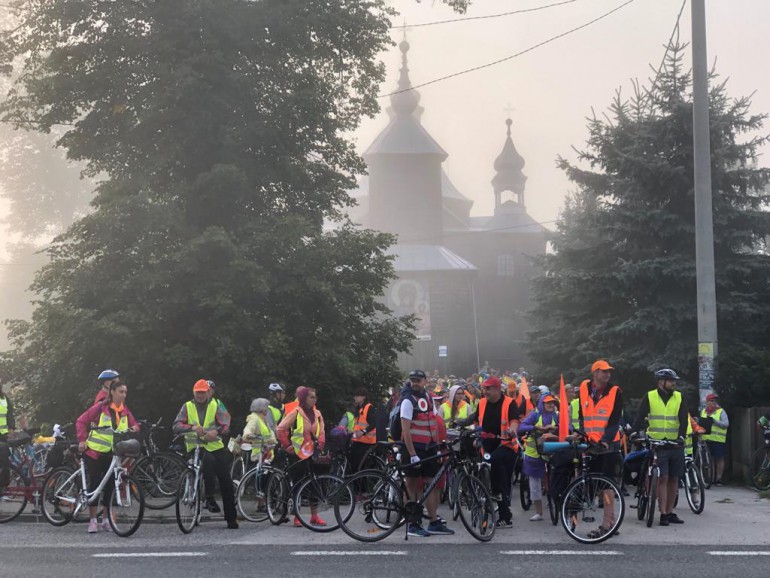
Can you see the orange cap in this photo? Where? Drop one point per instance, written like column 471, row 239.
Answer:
column 201, row 385
column 601, row 365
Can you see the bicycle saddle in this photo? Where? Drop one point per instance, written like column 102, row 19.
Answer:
column 128, row 449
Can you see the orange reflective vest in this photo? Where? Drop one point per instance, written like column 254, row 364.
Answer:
column 597, row 415
column 504, row 425
column 291, row 406
column 362, row 422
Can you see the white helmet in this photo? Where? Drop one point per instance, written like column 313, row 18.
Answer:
column 274, row 387
column 544, row 389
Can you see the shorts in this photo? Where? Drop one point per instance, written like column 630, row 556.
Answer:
column 671, row 462
column 607, row 464
column 422, row 469
column 717, row 449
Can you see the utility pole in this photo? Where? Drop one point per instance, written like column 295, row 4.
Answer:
column 704, row 222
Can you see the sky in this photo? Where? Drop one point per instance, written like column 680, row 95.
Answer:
column 553, row 89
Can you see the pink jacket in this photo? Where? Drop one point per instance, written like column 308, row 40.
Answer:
column 90, row 418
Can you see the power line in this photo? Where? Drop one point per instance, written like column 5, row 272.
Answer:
column 525, row 51
column 454, row 20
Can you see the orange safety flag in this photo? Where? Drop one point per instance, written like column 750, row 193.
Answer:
column 524, row 388
column 564, row 411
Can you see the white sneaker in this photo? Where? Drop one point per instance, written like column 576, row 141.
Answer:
column 536, row 518
column 93, row 526
column 105, row 525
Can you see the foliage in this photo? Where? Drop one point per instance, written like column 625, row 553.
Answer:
column 620, row 282
column 219, row 127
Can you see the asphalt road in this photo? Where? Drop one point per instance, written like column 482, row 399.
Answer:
column 729, row 539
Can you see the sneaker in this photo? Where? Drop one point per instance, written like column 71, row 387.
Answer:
column 232, row 525
column 212, row 506
column 438, row 527
column 105, row 525
column 536, row 518
column 504, row 524
column 674, row 519
column 664, row 519
column 317, row 521
column 418, row 531
column 297, row 523
column 93, row 526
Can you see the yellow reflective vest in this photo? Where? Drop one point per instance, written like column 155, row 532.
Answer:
column 663, row 417
column 102, row 441
column 718, row 433
column 298, row 434
column 446, row 411
column 3, row 415
column 209, row 422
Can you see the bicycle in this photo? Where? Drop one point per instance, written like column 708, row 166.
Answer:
column 284, row 495
column 760, row 463
column 586, row 495
column 191, row 493
column 251, row 489
column 65, row 494
column 647, row 489
column 379, row 508
column 694, row 486
column 14, row 485
column 702, row 459
column 156, row 471
column 474, row 462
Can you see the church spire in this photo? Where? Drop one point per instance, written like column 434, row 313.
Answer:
column 508, row 177
column 405, row 100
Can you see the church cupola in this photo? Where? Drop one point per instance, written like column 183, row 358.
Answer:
column 509, row 181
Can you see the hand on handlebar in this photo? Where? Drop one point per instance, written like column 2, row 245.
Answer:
column 414, row 459
column 82, row 446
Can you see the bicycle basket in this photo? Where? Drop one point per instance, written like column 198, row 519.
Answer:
column 128, row 449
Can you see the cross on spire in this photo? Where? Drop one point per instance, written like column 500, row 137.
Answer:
column 405, row 28
column 508, row 110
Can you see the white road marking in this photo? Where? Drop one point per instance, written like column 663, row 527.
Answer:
column 149, row 554
column 561, row 553
column 738, row 553
column 349, row 553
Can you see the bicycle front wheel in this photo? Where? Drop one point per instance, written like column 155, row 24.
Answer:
column 592, row 509
column 60, row 494
column 188, row 502
column 126, row 507
column 158, row 475
column 695, row 488
column 315, row 499
column 760, row 469
column 278, row 498
column 652, row 497
column 14, row 488
column 376, row 510
column 250, row 499
column 706, row 466
column 477, row 509
column 526, row 501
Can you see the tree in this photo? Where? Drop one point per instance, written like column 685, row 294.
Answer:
column 219, row 128
column 620, row 282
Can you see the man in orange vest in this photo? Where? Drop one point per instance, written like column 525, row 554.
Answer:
column 499, row 415
column 364, row 434
column 600, row 410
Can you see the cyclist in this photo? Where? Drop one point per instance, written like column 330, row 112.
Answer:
column 96, row 446
column 455, row 407
column 258, row 431
column 717, row 439
column 498, row 415
column 420, row 433
column 7, row 426
column 541, row 423
column 276, row 409
column 574, row 405
column 105, row 379
column 298, row 434
column 528, row 405
column 211, row 422
column 364, row 426
column 600, row 410
column 667, row 419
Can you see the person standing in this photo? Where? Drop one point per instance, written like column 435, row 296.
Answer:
column 105, row 379
column 96, row 445
column 257, row 431
column 667, row 419
column 365, row 424
column 7, row 426
column 276, row 410
column 601, row 407
column 455, row 408
column 210, row 421
column 541, row 423
column 717, row 439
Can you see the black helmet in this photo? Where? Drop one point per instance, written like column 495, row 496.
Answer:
column 667, row 374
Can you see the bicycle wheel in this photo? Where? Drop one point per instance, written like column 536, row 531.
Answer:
column 236, row 469
column 760, row 469
column 706, row 466
column 694, row 488
column 652, row 496
column 553, row 507
column 125, row 509
column 587, row 502
column 526, row 501
column 641, row 503
column 454, row 492
column 477, row 509
column 188, row 502
column 250, row 498
column 315, row 499
column 60, row 494
column 278, row 498
column 377, row 510
column 158, row 476
column 14, row 488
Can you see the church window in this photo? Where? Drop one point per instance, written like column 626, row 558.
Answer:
column 505, row 266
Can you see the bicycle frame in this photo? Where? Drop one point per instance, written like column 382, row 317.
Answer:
column 86, row 498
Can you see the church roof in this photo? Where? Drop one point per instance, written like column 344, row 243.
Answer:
column 510, row 217
column 427, row 258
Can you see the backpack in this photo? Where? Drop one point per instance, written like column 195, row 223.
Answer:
column 394, row 420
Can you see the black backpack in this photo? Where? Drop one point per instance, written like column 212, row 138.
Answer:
column 395, row 414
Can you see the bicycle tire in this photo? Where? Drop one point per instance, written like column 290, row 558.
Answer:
column 378, row 508
column 695, row 488
column 236, row 469
column 321, row 490
column 583, row 501
column 250, row 497
column 706, row 466
column 60, row 495
column 652, row 496
column 188, row 502
column 277, row 498
column 641, row 505
column 524, row 497
column 158, row 475
column 13, row 495
column 125, row 510
column 553, row 508
column 454, row 491
column 477, row 509
column 760, row 469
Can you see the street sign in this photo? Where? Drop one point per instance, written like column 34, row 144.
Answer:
column 443, row 351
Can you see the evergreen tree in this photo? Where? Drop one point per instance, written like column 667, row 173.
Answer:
column 620, row 282
column 218, row 129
